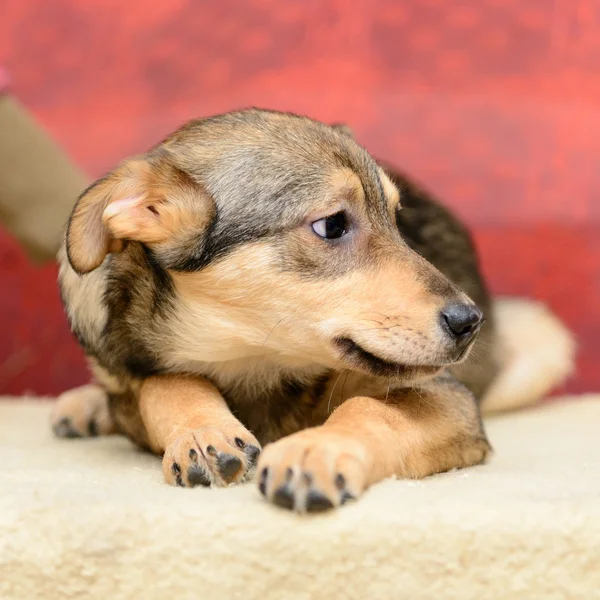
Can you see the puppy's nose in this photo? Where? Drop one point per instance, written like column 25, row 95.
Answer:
column 461, row 321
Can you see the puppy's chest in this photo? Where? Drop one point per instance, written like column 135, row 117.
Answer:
column 280, row 409
column 292, row 404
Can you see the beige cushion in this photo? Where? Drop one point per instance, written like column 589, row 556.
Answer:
column 93, row 519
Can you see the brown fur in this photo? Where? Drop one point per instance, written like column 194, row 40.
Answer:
column 196, row 284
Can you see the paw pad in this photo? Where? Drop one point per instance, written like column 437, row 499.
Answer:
column 228, row 466
column 284, row 497
column 317, row 502
column 64, row 429
column 207, row 457
column 197, row 476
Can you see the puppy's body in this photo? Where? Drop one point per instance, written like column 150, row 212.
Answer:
column 133, row 316
column 195, row 275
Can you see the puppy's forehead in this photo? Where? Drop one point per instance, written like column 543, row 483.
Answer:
column 267, row 171
column 266, row 159
column 264, row 131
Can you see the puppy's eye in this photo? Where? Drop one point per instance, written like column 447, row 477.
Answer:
column 332, row 227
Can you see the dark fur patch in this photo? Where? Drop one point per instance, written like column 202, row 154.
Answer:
column 163, row 290
column 136, row 289
column 317, row 389
column 125, row 413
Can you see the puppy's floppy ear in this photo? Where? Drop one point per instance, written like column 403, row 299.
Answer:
column 146, row 199
column 343, row 129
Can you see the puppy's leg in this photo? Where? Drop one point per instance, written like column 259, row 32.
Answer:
column 82, row 412
column 188, row 421
column 413, row 433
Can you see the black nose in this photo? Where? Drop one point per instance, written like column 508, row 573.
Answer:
column 461, row 320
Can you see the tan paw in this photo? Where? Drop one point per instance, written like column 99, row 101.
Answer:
column 82, row 412
column 211, row 457
column 313, row 470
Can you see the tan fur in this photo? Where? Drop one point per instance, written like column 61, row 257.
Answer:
column 343, row 187
column 188, row 421
column 245, row 318
column 143, row 200
column 391, row 191
column 410, row 434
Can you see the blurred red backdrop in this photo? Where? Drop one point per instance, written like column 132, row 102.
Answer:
column 492, row 104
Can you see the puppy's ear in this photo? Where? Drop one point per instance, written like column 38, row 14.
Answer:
column 343, row 129
column 147, row 199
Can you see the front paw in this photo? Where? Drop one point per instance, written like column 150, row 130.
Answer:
column 211, row 457
column 82, row 412
column 313, row 470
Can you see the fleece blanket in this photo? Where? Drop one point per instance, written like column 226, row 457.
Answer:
column 92, row 519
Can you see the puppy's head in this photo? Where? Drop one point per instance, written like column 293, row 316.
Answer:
column 280, row 236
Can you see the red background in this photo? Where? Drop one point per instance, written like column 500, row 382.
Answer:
column 493, row 104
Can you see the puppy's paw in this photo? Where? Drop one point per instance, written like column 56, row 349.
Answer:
column 313, row 470
column 82, row 412
column 211, row 457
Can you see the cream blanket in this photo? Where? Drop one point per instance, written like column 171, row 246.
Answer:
column 93, row 519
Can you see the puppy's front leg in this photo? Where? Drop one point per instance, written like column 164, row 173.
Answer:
column 188, row 420
column 413, row 433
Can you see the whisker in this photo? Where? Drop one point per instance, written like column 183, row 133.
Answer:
column 381, row 314
column 343, row 386
column 332, row 390
column 416, row 391
column 272, row 330
column 419, row 395
column 477, row 354
column 382, row 328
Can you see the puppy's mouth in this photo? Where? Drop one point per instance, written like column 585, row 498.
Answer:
column 364, row 360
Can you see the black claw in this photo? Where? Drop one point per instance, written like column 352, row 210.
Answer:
column 317, row 502
column 262, row 484
column 284, row 497
column 347, row 497
column 228, row 466
column 252, row 452
column 175, row 469
column 197, row 476
column 193, row 455
column 179, row 481
column 93, row 428
column 239, row 442
column 340, row 481
column 65, row 429
column 211, row 450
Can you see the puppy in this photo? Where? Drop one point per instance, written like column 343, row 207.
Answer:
column 259, row 280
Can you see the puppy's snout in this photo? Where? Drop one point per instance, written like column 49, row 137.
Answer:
column 461, row 321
